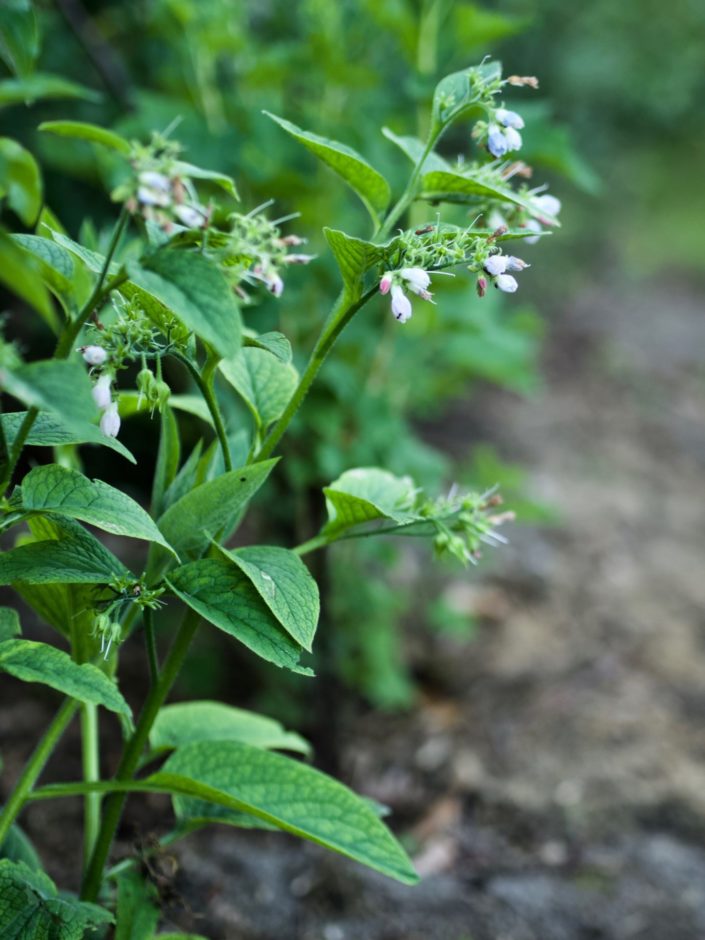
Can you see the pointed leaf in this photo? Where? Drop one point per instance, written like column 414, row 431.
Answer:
column 9, row 623
column 89, row 132
column 354, row 257
column 20, row 180
column 414, row 149
column 292, row 796
column 39, row 662
column 368, row 183
column 137, row 911
column 265, row 383
column 55, row 385
column 225, row 597
column 20, row 273
column 366, row 494
column 49, row 431
column 276, row 343
column 198, row 173
column 453, row 187
column 19, row 35
column 168, row 457
column 40, row 86
column 285, row 585
column 458, row 93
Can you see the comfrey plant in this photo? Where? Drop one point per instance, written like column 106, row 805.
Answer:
column 172, row 298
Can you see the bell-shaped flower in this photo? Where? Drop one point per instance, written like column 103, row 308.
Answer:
column 533, row 226
column 191, row 216
column 506, row 283
column 495, row 265
column 516, row 264
column 548, row 204
column 401, row 305
column 110, row 421
column 101, row 390
column 93, row 355
column 496, row 141
column 509, row 118
column 513, row 138
column 154, row 189
column 416, row 279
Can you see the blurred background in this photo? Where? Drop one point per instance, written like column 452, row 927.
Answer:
column 535, row 724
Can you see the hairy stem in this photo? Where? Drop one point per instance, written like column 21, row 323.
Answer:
column 35, row 765
column 133, row 751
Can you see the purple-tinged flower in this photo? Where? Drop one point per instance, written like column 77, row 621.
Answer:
column 513, row 138
column 481, row 286
column 299, row 259
column 93, row 355
column 506, row 283
column 509, row 118
column 101, row 390
column 401, row 305
column 495, row 265
column 292, row 241
column 110, row 422
column 386, row 283
column 274, row 283
column 516, row 264
column 496, row 141
column 416, row 279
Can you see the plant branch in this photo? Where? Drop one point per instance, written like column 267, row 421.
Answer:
column 205, row 387
column 91, row 773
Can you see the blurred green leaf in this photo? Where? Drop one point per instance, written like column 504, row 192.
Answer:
column 21, row 274
column 93, row 133
column 41, row 86
column 19, row 36
column 9, row 623
column 49, row 431
column 366, row 494
column 20, row 180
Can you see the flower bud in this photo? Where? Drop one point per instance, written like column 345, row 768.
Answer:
column 93, row 355
column 102, row 390
column 533, row 226
column 548, row 204
column 529, row 80
column 401, row 305
column 481, row 286
column 509, row 118
column 506, row 283
column 274, row 283
column 516, row 264
column 496, row 264
column 386, row 283
column 513, row 138
column 292, row 241
column 191, row 216
column 299, row 259
column 110, row 422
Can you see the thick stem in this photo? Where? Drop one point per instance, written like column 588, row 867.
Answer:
column 205, row 387
column 90, row 743
column 35, row 765
column 17, row 445
column 340, row 316
column 131, row 756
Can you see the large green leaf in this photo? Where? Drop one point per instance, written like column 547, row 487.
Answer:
column 290, row 795
column 20, row 272
column 186, row 722
column 19, row 35
column 368, row 183
column 285, row 585
column 17, row 847
column 31, row 909
column 56, row 266
column 75, row 557
column 20, row 180
column 80, row 130
column 192, row 288
column 460, row 187
column 39, row 662
column 39, row 86
column 49, row 431
column 367, row 494
column 137, row 910
column 224, row 596
column 9, row 624
column 191, row 522
column 56, row 385
column 265, row 383
column 354, row 257
column 55, row 489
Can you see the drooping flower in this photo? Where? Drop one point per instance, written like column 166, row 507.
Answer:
column 110, row 421
column 386, row 282
column 495, row 265
column 516, row 264
column 154, row 189
column 496, row 141
column 533, row 226
column 548, row 204
column 417, row 279
column 93, row 355
column 101, row 390
column 401, row 305
column 191, row 216
column 509, row 118
column 506, row 283
column 513, row 138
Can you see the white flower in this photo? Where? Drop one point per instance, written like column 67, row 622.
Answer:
column 533, row 226
column 506, row 283
column 496, row 220
column 509, row 118
column 417, row 279
column 101, row 391
column 274, row 283
column 401, row 305
column 386, row 282
column 496, row 141
column 93, row 355
column 513, row 138
column 190, row 216
column 516, row 264
column 496, row 264
column 548, row 204
column 154, row 189
column 299, row 259
column 155, row 181
column 110, row 422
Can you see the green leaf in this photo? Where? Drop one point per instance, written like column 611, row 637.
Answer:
column 41, row 86
column 55, row 489
column 186, row 722
column 291, row 796
column 80, row 130
column 20, row 180
column 56, row 266
column 211, row 508
column 21, row 274
column 137, row 911
column 168, row 457
column 55, row 385
column 366, row 494
column 276, row 343
column 265, row 383
column 39, row 662
column 178, row 936
column 93, row 260
column 367, row 182
column 285, row 585
column 19, row 36
column 198, row 173
column 49, row 431
column 414, row 149
column 77, row 557
column 9, row 623
column 225, row 597
column 458, row 93
column 192, row 288
column 31, row 909
column 452, row 187
column 354, row 258
column 17, row 847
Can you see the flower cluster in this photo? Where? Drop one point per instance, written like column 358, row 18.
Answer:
column 471, row 525
column 545, row 210
column 503, row 133
column 397, row 283
column 103, row 397
column 501, row 269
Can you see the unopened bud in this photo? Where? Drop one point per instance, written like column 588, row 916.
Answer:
column 93, row 355
column 528, row 80
column 386, row 283
column 299, row 259
column 292, row 241
column 481, row 286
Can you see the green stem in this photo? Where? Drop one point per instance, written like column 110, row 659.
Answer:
column 91, row 774
column 151, row 644
column 341, row 314
column 205, row 387
column 35, row 765
column 17, row 445
column 133, row 750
